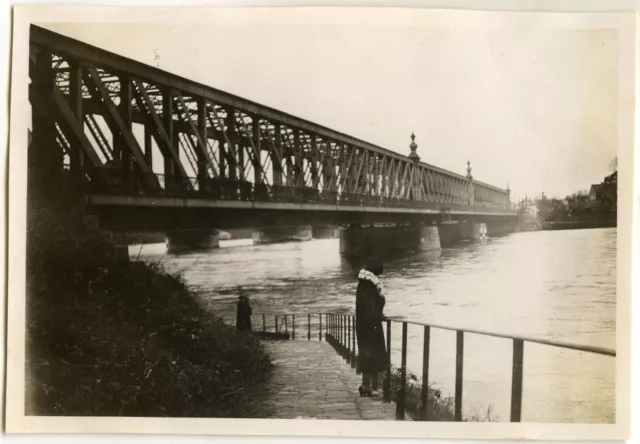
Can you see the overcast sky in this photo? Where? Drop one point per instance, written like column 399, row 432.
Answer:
column 537, row 110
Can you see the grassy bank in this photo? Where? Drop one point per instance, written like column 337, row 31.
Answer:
column 111, row 338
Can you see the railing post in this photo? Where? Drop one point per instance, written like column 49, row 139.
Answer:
column 276, row 319
column 516, row 383
column 293, row 326
column 387, row 382
column 345, row 336
column 264, row 324
column 348, row 357
column 330, row 325
column 309, row 327
column 425, row 373
column 459, row 368
column 400, row 401
column 286, row 324
column 343, row 318
column 353, row 342
column 320, row 329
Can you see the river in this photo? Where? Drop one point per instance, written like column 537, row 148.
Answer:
column 548, row 284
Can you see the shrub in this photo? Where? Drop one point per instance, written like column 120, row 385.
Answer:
column 439, row 407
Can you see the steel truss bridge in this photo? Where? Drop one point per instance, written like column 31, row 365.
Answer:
column 104, row 118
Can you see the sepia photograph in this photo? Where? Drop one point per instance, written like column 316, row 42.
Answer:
column 407, row 217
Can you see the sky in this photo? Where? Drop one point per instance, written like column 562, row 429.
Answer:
column 533, row 108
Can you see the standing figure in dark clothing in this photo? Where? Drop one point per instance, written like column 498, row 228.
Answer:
column 370, row 300
column 243, row 316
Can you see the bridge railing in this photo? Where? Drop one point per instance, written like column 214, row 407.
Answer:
column 117, row 181
column 339, row 329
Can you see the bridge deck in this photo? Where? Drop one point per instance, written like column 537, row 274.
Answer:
column 310, row 380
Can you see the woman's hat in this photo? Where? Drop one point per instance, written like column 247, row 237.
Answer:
column 375, row 267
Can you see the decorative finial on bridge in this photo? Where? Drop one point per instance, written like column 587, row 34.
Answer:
column 469, row 170
column 413, row 155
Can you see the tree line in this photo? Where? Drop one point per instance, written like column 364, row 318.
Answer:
column 603, row 200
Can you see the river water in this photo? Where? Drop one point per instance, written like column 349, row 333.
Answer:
column 558, row 285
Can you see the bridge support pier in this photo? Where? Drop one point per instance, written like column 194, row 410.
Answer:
column 473, row 230
column 192, row 240
column 325, row 232
column 358, row 241
column 282, row 234
column 429, row 238
column 453, row 232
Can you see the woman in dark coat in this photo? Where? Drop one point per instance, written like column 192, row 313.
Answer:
column 243, row 315
column 370, row 300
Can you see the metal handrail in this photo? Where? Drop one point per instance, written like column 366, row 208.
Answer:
column 562, row 344
column 340, row 332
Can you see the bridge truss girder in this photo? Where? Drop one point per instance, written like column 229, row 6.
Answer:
column 213, row 144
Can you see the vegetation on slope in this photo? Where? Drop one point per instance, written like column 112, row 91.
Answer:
column 109, row 337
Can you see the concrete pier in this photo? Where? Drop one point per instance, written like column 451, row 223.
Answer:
column 429, row 238
column 473, row 230
column 453, row 232
column 282, row 234
column 178, row 241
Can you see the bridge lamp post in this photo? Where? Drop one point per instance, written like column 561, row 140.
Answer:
column 417, row 195
column 470, row 184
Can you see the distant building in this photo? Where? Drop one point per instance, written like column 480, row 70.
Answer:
column 528, row 208
column 599, row 191
column 597, row 194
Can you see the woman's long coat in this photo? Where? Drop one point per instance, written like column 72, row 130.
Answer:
column 372, row 356
column 243, row 315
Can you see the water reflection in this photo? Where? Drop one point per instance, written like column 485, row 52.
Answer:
column 552, row 284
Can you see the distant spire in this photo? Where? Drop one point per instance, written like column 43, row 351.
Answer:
column 413, row 155
column 508, row 189
column 469, row 170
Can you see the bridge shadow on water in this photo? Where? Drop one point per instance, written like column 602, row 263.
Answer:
column 397, row 258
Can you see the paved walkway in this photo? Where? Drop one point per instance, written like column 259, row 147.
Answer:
column 310, row 380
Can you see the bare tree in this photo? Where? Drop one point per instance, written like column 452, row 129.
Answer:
column 613, row 164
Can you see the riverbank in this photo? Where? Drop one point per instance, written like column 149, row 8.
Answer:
column 577, row 225
column 109, row 337
column 589, row 220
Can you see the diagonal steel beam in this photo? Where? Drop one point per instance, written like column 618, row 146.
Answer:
column 404, row 178
column 254, row 154
column 348, row 171
column 396, row 183
column 200, row 146
column 99, row 136
column 75, row 127
column 359, row 172
column 409, row 192
column 160, row 134
column 114, row 120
